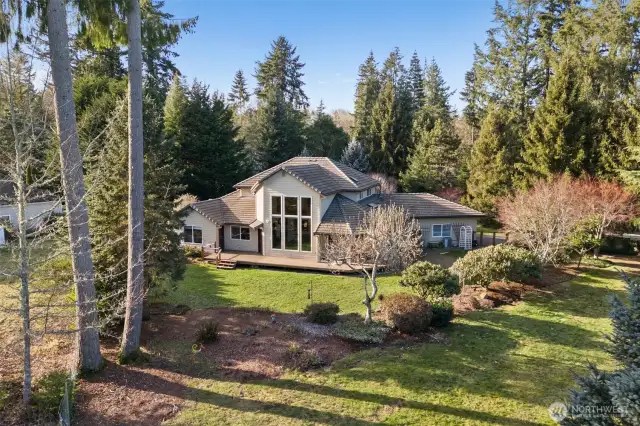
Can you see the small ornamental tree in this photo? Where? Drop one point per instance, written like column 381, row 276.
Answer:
column 605, row 398
column 355, row 156
column 387, row 238
column 430, row 281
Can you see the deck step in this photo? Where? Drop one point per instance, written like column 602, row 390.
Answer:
column 226, row 264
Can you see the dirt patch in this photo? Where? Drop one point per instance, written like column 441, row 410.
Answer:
column 250, row 343
column 498, row 293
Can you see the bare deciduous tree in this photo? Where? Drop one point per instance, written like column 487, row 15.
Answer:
column 542, row 218
column 387, row 239
column 388, row 184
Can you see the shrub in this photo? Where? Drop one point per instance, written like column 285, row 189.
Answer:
column 207, row 332
column 406, row 312
column 497, row 263
column 430, row 281
column 193, row 252
column 354, row 329
column 322, row 313
column 442, row 313
column 49, row 391
column 304, row 360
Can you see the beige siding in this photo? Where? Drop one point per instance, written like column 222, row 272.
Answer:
column 325, row 203
column 36, row 212
column 209, row 229
column 240, row 245
column 284, row 184
column 260, row 205
column 427, row 224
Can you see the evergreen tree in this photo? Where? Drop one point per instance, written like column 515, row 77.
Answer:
column 391, row 119
column 355, row 156
column 612, row 398
column 281, row 72
column 275, row 133
column 491, row 166
column 558, row 138
column 367, row 91
column 324, row 138
column 432, row 164
column 239, row 95
column 107, row 202
column 437, row 94
column 472, row 94
column 174, row 108
column 416, row 81
column 210, row 153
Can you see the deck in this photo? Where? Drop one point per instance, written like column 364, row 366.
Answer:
column 255, row 259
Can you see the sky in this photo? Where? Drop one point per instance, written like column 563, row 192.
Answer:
column 333, row 37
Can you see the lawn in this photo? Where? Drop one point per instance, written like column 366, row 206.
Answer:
column 204, row 286
column 502, row 366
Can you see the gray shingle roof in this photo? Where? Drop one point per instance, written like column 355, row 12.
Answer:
column 35, row 195
column 322, row 174
column 342, row 216
column 422, row 205
column 228, row 209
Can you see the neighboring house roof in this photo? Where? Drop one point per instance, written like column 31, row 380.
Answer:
column 322, row 174
column 231, row 209
column 422, row 205
column 8, row 194
column 344, row 214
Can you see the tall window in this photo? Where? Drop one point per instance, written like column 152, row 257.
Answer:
column 276, row 220
column 291, row 223
column 192, row 235
column 305, row 224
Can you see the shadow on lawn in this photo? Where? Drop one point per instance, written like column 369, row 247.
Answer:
column 138, row 379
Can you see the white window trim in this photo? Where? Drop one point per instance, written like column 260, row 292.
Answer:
column 283, row 222
column 192, row 239
column 441, row 225
column 240, row 228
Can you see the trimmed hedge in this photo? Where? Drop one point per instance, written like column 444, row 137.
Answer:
column 442, row 313
column 497, row 263
column 322, row 313
column 430, row 281
column 406, row 312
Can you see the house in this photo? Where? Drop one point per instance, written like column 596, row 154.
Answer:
column 290, row 209
column 40, row 207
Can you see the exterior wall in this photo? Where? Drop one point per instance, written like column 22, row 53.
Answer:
column 260, row 204
column 36, row 212
column 284, row 184
column 357, row 196
column 428, row 223
column 209, row 229
column 240, row 245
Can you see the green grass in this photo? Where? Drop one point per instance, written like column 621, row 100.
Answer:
column 281, row 291
column 501, row 367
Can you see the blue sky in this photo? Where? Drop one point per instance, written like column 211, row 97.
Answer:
column 333, row 38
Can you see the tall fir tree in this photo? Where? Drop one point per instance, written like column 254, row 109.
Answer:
column 323, row 137
column 558, row 140
column 391, row 119
column 416, row 81
column 239, row 95
column 432, row 164
column 210, row 153
column 491, row 165
column 473, row 94
column 437, row 94
column 281, row 72
column 367, row 91
column 163, row 256
column 275, row 133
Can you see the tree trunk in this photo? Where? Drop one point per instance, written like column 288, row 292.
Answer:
column 87, row 340
column 135, row 276
column 367, row 303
